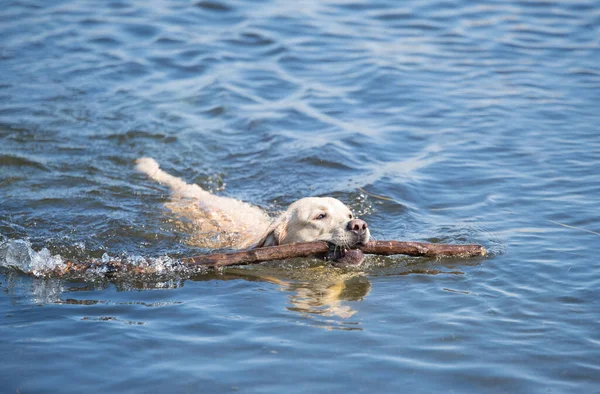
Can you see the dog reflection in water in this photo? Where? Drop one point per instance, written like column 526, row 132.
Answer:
column 315, row 290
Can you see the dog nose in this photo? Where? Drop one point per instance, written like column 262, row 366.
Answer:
column 357, row 226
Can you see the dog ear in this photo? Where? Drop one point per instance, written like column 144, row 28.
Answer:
column 275, row 234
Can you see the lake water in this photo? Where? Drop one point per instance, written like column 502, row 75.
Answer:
column 440, row 121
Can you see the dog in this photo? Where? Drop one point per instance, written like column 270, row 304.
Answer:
column 224, row 222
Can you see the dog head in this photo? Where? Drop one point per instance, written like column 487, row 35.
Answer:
column 317, row 219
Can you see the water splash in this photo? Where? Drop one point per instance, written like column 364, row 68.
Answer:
column 18, row 254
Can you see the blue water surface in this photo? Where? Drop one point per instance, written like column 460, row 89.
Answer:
column 440, row 121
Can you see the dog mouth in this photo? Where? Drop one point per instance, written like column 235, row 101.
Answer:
column 344, row 257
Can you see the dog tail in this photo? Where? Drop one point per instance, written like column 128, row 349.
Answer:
column 150, row 167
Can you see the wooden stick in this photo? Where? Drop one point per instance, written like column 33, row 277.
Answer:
column 258, row 255
column 319, row 249
column 281, row 252
column 423, row 249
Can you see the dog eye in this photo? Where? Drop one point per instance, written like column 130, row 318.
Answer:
column 350, row 216
column 321, row 216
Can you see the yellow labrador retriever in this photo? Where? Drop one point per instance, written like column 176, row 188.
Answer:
column 219, row 221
